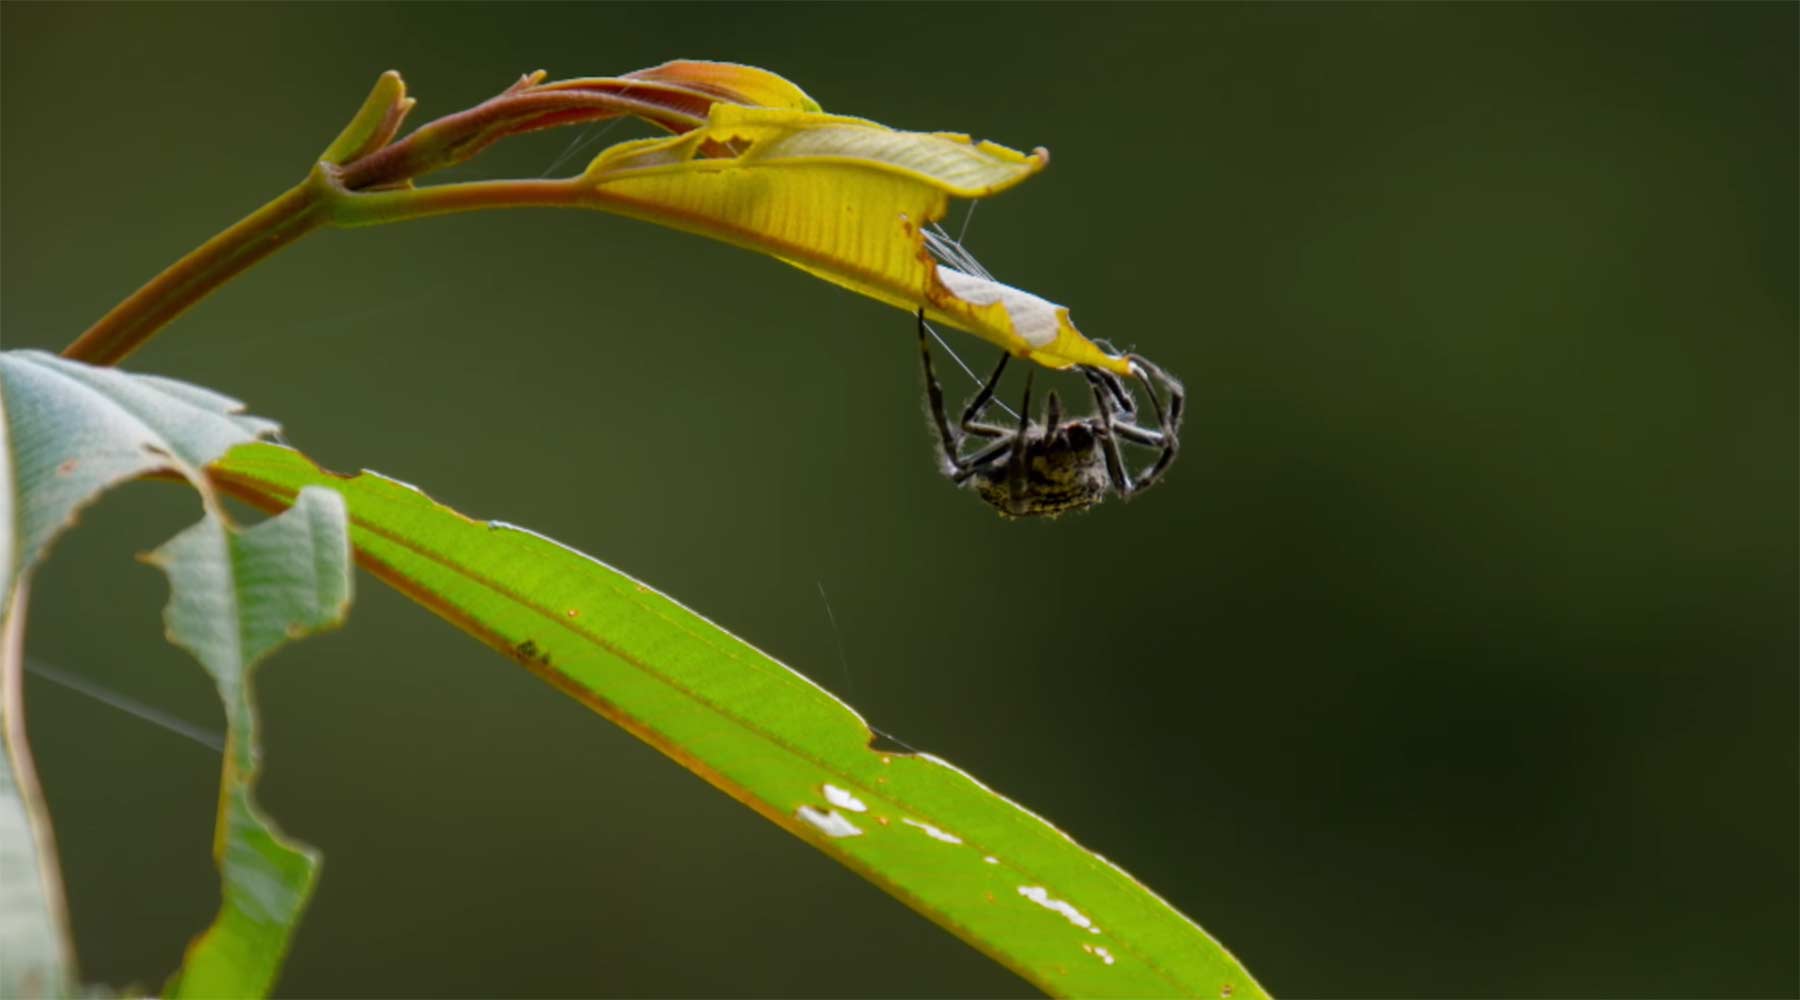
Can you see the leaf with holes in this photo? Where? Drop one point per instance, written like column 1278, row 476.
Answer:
column 68, row 432
column 72, row 431
column 978, row 864
column 234, row 597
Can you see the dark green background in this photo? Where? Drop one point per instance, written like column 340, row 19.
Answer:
column 1457, row 656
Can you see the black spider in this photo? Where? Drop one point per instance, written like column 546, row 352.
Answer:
column 1046, row 469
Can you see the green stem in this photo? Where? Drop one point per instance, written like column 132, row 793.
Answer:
column 125, row 328
column 351, row 210
column 370, row 190
column 319, row 201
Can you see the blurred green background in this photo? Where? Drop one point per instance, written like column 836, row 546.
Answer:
column 1456, row 657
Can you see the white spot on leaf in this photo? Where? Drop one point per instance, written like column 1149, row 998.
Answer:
column 831, row 824
column 1041, row 896
column 933, row 832
column 843, row 800
column 1033, row 318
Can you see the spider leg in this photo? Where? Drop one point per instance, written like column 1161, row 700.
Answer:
column 1109, row 444
column 987, row 456
column 1121, row 422
column 1015, row 466
column 979, row 402
column 1169, row 421
column 1113, row 385
column 949, row 443
column 1137, row 435
column 1052, row 413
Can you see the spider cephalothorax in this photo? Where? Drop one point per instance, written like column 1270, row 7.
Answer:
column 1044, row 469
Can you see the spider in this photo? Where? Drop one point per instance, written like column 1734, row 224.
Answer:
column 1045, row 469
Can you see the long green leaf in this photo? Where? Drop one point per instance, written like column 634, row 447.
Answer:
column 994, row 874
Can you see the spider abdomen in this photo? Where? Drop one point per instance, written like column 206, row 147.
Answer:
column 1062, row 472
column 1043, row 468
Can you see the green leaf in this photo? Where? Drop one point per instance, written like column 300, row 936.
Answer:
column 68, row 432
column 35, row 953
column 992, row 873
column 375, row 122
column 234, row 597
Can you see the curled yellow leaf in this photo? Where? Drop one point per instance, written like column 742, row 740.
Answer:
column 845, row 199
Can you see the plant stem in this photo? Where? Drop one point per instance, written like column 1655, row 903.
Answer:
column 25, row 783
column 299, row 211
column 455, row 138
column 376, row 188
column 351, row 210
column 321, row 200
column 190, row 279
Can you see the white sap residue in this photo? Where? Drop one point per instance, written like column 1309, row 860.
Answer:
column 933, row 832
column 831, row 824
column 1041, row 896
column 843, row 800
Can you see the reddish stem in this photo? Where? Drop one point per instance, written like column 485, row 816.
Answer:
column 127, row 325
column 341, row 196
column 454, row 138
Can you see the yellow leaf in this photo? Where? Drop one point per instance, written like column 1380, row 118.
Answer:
column 845, row 199
column 732, row 82
column 675, row 95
